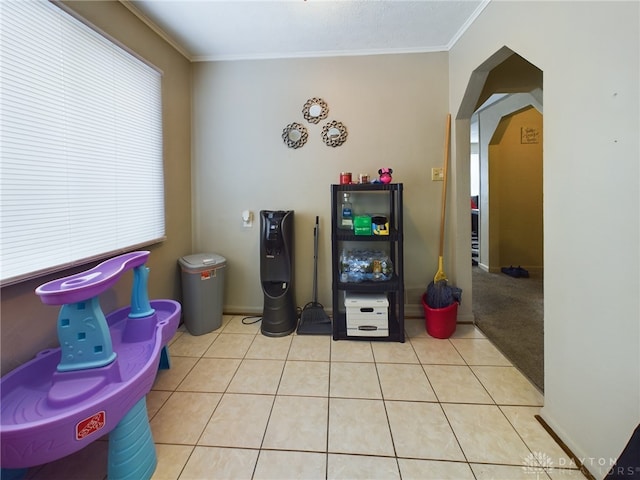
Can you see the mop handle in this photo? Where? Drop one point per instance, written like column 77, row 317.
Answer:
column 445, row 172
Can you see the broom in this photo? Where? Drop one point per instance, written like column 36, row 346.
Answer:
column 439, row 294
column 313, row 319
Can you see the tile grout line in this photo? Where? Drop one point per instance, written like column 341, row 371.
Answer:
column 222, row 394
column 326, row 456
column 328, row 396
column 275, row 398
column 193, row 447
column 386, row 411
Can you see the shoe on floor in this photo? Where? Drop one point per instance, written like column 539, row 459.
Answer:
column 510, row 270
column 515, row 272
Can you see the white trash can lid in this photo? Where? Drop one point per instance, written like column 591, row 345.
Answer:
column 202, row 261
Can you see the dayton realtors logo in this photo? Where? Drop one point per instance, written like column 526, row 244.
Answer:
column 536, row 463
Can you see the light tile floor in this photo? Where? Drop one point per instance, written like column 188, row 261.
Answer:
column 238, row 405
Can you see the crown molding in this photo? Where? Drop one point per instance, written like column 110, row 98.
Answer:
column 149, row 23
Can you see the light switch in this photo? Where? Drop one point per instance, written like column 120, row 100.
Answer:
column 437, row 174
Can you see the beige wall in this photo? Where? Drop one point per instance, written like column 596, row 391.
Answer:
column 515, row 192
column 27, row 325
column 394, row 107
column 589, row 53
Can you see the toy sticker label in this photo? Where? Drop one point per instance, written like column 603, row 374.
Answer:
column 89, row 425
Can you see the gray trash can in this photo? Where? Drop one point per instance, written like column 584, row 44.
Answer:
column 202, row 291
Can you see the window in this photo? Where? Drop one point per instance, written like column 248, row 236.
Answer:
column 81, row 170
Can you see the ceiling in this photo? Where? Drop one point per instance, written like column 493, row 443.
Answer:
column 209, row 30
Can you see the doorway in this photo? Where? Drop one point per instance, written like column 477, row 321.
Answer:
column 504, row 104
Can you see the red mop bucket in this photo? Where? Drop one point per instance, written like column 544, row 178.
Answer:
column 440, row 322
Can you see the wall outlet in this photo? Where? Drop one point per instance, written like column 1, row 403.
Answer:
column 247, row 218
column 437, row 174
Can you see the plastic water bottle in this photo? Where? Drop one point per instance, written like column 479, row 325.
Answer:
column 346, row 216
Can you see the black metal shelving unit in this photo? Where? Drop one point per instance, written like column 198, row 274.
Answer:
column 394, row 287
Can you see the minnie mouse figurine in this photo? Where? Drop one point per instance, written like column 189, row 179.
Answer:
column 385, row 175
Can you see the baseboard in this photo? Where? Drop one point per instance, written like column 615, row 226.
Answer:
column 242, row 310
column 530, row 268
column 565, row 447
column 411, row 310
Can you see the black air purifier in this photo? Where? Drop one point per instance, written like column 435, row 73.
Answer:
column 276, row 273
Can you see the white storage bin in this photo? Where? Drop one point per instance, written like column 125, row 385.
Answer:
column 367, row 314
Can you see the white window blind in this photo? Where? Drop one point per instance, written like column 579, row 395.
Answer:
column 81, row 168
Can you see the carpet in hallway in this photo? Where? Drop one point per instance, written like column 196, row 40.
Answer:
column 509, row 311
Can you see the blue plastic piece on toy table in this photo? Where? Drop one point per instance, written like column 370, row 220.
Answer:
column 85, row 340
column 165, row 361
column 132, row 453
column 13, row 473
column 140, row 306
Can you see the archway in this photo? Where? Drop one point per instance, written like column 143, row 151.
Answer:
column 520, row 83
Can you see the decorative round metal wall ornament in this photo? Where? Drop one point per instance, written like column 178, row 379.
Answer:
column 315, row 110
column 334, row 134
column 295, row 135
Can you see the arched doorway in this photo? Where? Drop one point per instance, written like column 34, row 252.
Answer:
column 508, row 195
